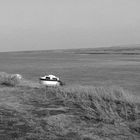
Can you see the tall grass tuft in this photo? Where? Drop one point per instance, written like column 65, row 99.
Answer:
column 98, row 103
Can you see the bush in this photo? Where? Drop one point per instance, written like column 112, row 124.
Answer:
column 8, row 79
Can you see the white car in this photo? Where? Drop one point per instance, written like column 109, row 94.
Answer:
column 50, row 80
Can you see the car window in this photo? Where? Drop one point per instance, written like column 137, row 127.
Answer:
column 47, row 78
column 54, row 79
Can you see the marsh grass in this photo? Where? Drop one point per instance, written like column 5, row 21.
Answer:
column 30, row 111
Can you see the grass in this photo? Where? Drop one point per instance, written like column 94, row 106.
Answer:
column 30, row 111
column 75, row 68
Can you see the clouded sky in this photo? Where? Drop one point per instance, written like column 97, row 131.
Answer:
column 56, row 24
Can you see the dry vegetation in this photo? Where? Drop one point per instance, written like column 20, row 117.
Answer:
column 29, row 111
column 8, row 79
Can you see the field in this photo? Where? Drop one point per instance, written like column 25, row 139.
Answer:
column 100, row 100
column 111, row 66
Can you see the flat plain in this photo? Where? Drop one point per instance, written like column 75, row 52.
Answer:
column 119, row 66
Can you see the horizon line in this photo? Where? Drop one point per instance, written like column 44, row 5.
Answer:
column 63, row 49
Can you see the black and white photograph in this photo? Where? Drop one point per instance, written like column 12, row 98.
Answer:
column 69, row 69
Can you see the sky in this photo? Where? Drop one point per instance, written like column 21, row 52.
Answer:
column 65, row 24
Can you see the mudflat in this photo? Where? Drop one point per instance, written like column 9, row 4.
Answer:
column 110, row 66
